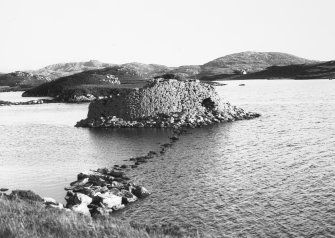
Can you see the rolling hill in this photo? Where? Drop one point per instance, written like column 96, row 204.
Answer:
column 95, row 81
column 245, row 65
column 64, row 69
column 22, row 79
column 322, row 70
column 249, row 62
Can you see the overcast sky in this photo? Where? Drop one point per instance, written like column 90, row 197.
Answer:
column 37, row 33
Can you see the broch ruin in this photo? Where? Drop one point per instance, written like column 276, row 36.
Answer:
column 163, row 103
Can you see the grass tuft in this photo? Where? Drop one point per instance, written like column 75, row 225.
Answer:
column 30, row 219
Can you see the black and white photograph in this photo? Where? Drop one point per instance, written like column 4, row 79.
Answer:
column 167, row 118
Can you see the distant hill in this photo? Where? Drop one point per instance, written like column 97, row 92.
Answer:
column 322, row 70
column 22, row 79
column 87, row 77
column 145, row 71
column 64, row 69
column 92, row 81
column 187, row 71
column 249, row 62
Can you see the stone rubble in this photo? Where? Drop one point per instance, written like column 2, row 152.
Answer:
column 163, row 103
column 102, row 192
column 173, row 120
column 31, row 102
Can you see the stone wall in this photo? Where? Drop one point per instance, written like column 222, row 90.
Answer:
column 157, row 97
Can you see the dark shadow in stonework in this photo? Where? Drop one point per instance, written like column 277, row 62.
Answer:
column 208, row 104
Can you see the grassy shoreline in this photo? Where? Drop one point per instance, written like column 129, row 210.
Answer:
column 28, row 218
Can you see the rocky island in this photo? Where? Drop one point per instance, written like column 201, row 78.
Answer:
column 163, row 103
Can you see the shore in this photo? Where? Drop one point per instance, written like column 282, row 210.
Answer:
column 90, row 202
column 31, row 102
column 25, row 217
column 103, row 192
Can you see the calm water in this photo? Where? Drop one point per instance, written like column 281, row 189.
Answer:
column 16, row 97
column 269, row 177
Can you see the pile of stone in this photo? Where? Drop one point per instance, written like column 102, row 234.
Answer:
column 102, row 192
column 163, row 103
column 187, row 119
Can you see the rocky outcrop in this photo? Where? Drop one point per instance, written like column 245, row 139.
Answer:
column 163, row 103
column 102, row 192
column 31, row 102
column 99, row 192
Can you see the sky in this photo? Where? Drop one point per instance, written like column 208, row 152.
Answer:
column 37, row 33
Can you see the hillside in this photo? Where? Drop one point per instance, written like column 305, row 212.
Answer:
column 22, row 79
column 187, row 71
column 96, row 82
column 146, row 71
column 323, row 70
column 249, row 62
column 64, row 69
column 229, row 64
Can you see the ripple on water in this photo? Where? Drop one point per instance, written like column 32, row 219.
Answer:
column 268, row 177
column 271, row 176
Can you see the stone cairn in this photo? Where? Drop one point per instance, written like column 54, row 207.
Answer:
column 163, row 103
column 174, row 120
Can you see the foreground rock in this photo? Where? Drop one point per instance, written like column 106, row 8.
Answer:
column 102, row 192
column 163, row 103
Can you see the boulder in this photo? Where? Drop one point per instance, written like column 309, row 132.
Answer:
column 82, row 198
column 117, row 185
column 83, row 175
column 56, row 206
column 103, row 170
column 127, row 197
column 47, row 201
column 118, row 207
column 140, row 191
column 81, row 208
column 116, row 173
column 81, row 182
column 110, row 200
column 101, row 211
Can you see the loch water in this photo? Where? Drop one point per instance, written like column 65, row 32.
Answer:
column 273, row 176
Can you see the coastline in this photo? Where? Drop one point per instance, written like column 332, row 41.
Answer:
column 104, row 191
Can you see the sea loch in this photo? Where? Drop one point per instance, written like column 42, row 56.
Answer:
column 271, row 176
